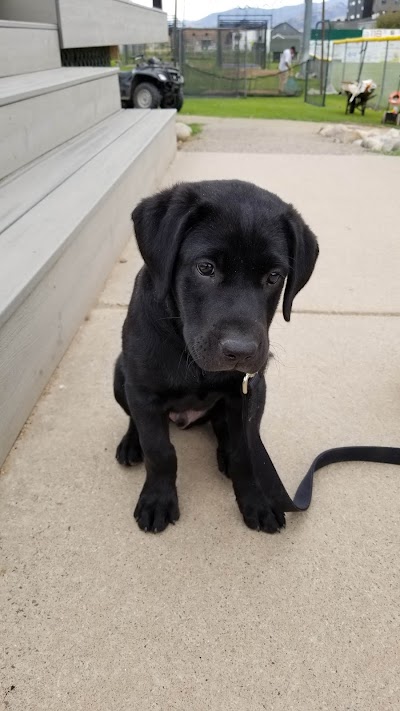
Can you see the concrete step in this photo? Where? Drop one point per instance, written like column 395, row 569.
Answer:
column 28, row 47
column 75, row 98
column 55, row 258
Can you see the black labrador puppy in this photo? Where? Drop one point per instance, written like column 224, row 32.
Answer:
column 217, row 254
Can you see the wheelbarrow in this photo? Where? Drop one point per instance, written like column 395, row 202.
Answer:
column 358, row 94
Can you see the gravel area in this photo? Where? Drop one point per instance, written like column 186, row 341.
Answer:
column 233, row 135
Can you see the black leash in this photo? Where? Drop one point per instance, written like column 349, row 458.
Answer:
column 268, row 478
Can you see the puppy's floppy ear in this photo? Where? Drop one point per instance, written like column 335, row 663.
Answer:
column 303, row 253
column 161, row 222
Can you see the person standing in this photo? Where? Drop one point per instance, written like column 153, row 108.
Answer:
column 285, row 65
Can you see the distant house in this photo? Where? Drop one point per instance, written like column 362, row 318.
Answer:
column 200, row 40
column 282, row 37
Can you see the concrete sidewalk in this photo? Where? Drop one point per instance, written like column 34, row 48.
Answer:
column 209, row 615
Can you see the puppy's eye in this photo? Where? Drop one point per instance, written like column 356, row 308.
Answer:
column 273, row 277
column 206, row 269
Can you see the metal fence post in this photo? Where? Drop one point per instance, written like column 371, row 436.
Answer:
column 383, row 76
column 307, row 63
column 245, row 65
column 344, row 61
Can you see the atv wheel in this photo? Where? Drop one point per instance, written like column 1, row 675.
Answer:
column 146, row 96
column 179, row 100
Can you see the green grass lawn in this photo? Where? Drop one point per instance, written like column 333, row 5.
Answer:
column 196, row 128
column 278, row 108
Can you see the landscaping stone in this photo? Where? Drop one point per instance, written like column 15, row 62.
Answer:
column 183, row 132
column 350, row 136
column 373, row 144
column 379, row 140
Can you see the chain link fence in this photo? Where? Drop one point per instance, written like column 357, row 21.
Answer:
column 86, row 57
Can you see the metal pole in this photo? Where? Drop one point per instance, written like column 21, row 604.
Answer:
column 175, row 34
column 344, row 61
column 245, row 64
column 327, row 64
column 306, row 81
column 264, row 50
column 305, row 43
column 322, row 45
column 383, row 77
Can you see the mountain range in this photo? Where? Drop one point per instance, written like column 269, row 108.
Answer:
column 293, row 14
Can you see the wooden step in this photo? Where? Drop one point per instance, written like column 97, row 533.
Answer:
column 41, row 110
column 25, row 188
column 56, row 257
column 28, row 47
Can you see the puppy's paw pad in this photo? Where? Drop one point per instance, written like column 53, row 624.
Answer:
column 154, row 511
column 128, row 452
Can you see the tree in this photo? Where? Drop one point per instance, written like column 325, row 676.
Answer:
column 390, row 20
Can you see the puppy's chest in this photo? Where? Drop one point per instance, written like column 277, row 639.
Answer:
column 186, row 408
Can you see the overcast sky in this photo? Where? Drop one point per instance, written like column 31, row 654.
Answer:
column 196, row 9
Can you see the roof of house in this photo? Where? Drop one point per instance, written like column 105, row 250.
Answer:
column 284, row 29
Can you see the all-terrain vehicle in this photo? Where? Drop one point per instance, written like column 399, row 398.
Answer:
column 152, row 84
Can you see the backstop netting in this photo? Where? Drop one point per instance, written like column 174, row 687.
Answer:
column 232, row 61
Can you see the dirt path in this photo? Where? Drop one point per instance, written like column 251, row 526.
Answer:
column 263, row 136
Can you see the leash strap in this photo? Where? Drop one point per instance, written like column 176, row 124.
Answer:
column 266, row 474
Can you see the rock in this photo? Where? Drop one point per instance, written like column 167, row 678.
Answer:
column 373, row 139
column 387, row 144
column 183, row 132
column 350, row 136
column 330, row 131
column 372, row 143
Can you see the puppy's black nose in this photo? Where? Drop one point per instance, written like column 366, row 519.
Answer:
column 238, row 349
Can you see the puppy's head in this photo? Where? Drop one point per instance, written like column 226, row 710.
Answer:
column 225, row 249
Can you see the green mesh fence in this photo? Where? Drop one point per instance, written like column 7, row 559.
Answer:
column 232, row 61
column 317, row 81
column 241, row 80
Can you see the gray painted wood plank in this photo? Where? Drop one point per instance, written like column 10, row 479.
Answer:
column 34, row 182
column 32, row 244
column 109, row 22
column 27, row 25
column 28, row 48
column 37, row 335
column 25, row 86
column 29, row 10
column 30, row 128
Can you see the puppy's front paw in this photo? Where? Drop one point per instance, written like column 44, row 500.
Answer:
column 156, row 508
column 260, row 515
